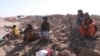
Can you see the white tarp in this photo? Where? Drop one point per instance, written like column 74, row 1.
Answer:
column 41, row 53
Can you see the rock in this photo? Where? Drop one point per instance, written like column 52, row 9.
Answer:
column 64, row 53
column 56, row 53
column 56, row 44
column 97, row 46
column 17, row 54
column 2, row 52
column 88, row 52
column 90, row 43
column 63, row 46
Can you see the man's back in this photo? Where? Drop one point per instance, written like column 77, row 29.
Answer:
column 45, row 26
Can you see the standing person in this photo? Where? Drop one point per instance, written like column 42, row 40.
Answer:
column 45, row 28
column 88, row 27
column 80, row 17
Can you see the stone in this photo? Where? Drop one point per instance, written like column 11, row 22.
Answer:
column 64, row 53
column 88, row 52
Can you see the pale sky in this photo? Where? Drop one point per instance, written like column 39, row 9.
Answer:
column 46, row 7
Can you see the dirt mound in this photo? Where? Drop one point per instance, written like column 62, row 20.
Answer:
column 66, row 40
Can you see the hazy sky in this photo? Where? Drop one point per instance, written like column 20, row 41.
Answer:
column 45, row 7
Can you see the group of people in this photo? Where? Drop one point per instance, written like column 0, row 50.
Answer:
column 29, row 35
column 86, row 27
column 29, row 30
column 86, row 24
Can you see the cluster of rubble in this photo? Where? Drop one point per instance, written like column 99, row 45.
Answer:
column 67, row 41
column 61, row 28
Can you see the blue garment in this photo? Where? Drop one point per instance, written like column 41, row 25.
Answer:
column 79, row 20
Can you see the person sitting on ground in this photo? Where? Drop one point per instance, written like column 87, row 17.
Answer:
column 45, row 28
column 28, row 32
column 88, row 27
column 15, row 31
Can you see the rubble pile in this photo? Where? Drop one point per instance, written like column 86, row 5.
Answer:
column 11, row 19
column 67, row 41
column 61, row 28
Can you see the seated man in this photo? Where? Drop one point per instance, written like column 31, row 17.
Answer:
column 88, row 27
column 28, row 32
